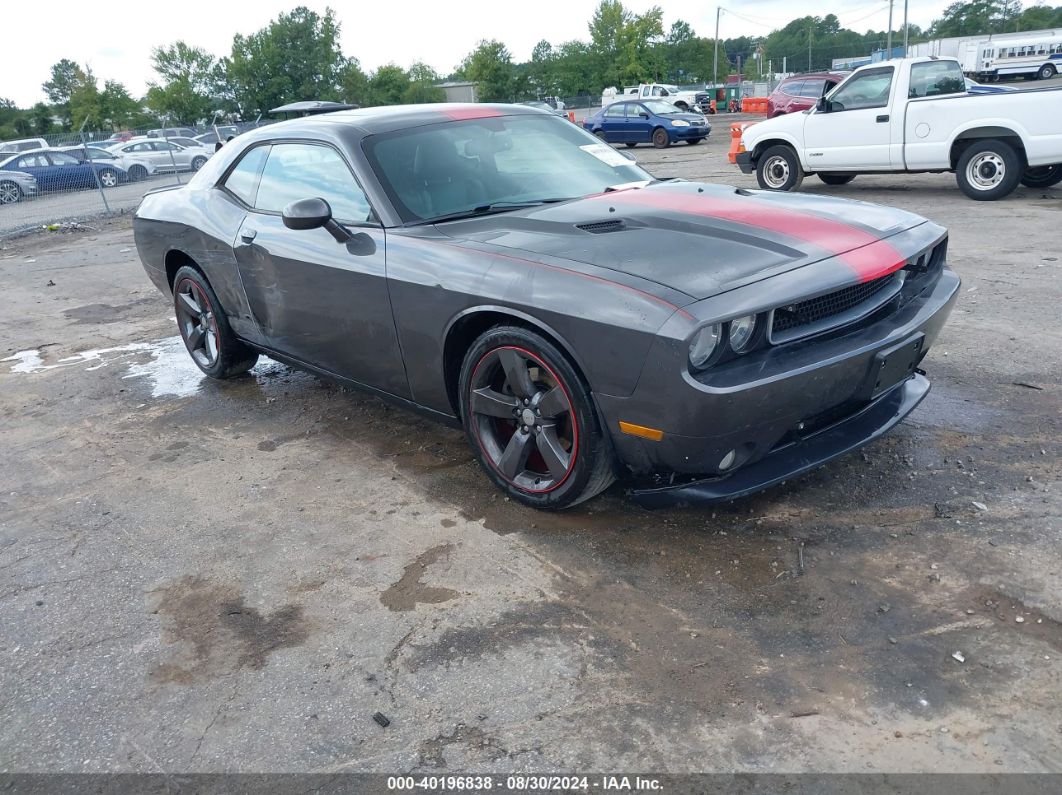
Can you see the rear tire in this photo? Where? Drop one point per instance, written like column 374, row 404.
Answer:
column 661, row 140
column 198, row 163
column 832, row 178
column 138, row 173
column 514, row 379
column 1047, row 71
column 779, row 169
column 1042, row 176
column 108, row 177
column 694, row 141
column 630, row 144
column 988, row 170
column 210, row 341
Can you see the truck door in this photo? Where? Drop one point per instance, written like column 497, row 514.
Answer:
column 854, row 130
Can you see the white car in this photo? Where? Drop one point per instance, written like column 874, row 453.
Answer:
column 912, row 115
column 138, row 168
column 193, row 145
column 162, row 154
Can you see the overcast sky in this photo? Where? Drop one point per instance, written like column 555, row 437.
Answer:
column 116, row 39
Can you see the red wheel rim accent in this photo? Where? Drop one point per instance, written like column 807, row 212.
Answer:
column 197, row 322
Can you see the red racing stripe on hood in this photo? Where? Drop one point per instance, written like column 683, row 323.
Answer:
column 868, row 256
column 466, row 112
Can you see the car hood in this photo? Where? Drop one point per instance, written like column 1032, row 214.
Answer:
column 698, row 239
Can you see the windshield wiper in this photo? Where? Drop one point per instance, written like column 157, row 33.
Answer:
column 491, row 209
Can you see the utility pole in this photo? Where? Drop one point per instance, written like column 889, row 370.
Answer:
column 904, row 28
column 715, row 57
column 888, row 39
column 810, row 28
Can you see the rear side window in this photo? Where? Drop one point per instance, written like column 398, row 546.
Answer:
column 242, row 181
column 793, row 89
column 933, row 78
column 813, row 88
column 307, row 171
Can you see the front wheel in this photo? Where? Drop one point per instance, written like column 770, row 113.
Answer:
column 10, row 192
column 1047, row 71
column 138, row 173
column 831, row 178
column 198, row 163
column 531, row 421
column 1042, row 176
column 987, row 170
column 779, row 169
column 694, row 141
column 661, row 140
column 210, row 341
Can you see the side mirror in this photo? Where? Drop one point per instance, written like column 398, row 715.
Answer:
column 314, row 214
column 823, row 105
column 665, row 93
column 644, row 115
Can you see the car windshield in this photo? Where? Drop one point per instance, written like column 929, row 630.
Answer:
column 492, row 164
column 661, row 108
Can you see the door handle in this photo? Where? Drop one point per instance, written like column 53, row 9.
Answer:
column 248, row 235
column 882, row 119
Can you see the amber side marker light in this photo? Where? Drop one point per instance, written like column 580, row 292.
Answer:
column 640, row 430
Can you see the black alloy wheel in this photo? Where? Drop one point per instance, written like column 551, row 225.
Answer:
column 210, row 341
column 531, row 422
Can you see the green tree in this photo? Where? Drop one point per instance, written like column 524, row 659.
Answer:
column 541, row 68
column 187, row 91
column 624, row 46
column 65, row 78
column 41, row 116
column 975, row 16
column 354, row 83
column 118, row 108
column 86, row 106
column 388, row 85
column 572, row 70
column 422, row 85
column 490, row 67
column 295, row 57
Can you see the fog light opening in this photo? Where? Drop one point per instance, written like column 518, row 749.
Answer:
column 728, row 461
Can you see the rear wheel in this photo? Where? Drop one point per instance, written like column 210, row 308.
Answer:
column 108, row 177
column 630, row 144
column 198, row 163
column 1042, row 176
column 138, row 173
column 661, row 140
column 10, row 192
column 831, row 178
column 987, row 170
column 601, row 134
column 1047, row 71
column 531, row 421
column 779, row 169
column 210, row 341
column 694, row 141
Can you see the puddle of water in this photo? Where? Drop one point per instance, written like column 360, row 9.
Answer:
column 168, row 367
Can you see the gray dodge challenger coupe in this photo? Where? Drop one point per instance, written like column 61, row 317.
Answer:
column 502, row 270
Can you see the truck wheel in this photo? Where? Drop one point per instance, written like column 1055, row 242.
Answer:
column 1042, row 176
column 833, row 178
column 988, row 170
column 779, row 169
column 661, row 140
column 1047, row 71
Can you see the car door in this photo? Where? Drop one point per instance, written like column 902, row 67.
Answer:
column 639, row 124
column 854, row 131
column 142, row 150
column 313, row 298
column 70, row 173
column 37, row 166
column 614, row 123
column 180, row 156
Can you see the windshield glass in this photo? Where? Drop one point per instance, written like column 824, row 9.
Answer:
column 660, row 107
column 442, row 169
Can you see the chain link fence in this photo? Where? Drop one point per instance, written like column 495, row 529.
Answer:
column 72, row 177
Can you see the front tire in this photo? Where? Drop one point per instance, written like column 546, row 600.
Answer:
column 1047, row 71
column 210, row 341
column 779, row 169
column 138, row 173
column 694, row 141
column 988, row 170
column 10, row 192
column 198, row 163
column 831, row 178
column 531, row 422
column 1042, row 176
column 661, row 140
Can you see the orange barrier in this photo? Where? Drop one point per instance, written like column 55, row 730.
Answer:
column 754, row 105
column 736, row 129
column 571, row 116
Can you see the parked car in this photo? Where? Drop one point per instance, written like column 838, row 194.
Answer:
column 501, row 272
column 16, row 186
column 683, row 100
column 170, row 132
column 22, row 145
column 650, row 121
column 912, row 115
column 545, row 106
column 137, row 168
column 973, row 87
column 55, row 170
column 165, row 156
column 801, row 92
column 211, row 136
column 193, row 145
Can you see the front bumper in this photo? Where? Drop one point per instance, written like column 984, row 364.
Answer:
column 797, row 457
column 686, row 133
column 744, row 162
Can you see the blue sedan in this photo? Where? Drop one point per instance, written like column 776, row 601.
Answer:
column 647, row 121
column 59, row 171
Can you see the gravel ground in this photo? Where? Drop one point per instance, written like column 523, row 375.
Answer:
column 235, row 576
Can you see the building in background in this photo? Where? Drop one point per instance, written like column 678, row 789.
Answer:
column 459, row 91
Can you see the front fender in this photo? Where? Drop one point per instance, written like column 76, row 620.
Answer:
column 780, row 130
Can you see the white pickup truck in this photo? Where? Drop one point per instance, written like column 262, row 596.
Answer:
column 686, row 100
column 913, row 115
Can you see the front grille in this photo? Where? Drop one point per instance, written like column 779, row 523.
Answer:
column 832, row 309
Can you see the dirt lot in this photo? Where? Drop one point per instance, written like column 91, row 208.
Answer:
column 201, row 577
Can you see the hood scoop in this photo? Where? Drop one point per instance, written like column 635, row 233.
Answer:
column 602, row 227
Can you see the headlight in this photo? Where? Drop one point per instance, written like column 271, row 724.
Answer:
column 679, row 123
column 742, row 331
column 704, row 344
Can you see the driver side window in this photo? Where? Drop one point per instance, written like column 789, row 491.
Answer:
column 303, row 171
column 867, row 90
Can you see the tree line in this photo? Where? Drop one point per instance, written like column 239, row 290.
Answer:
column 298, row 56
